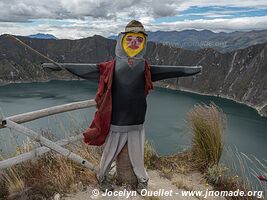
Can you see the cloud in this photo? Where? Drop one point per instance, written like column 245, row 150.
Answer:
column 78, row 28
column 240, row 23
column 27, row 10
column 81, row 18
column 24, row 11
column 229, row 3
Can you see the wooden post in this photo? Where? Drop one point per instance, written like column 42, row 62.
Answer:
column 125, row 173
column 1, row 116
column 52, row 145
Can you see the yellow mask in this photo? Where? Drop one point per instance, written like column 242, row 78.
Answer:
column 133, row 43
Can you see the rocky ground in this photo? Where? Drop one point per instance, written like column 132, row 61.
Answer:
column 192, row 181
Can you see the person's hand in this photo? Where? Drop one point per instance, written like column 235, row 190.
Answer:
column 50, row 67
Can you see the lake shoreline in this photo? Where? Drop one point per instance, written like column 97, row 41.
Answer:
column 262, row 111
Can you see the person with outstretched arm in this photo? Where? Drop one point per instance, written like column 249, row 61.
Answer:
column 124, row 83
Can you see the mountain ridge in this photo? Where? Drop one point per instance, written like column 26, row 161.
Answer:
column 240, row 75
column 42, row 36
column 195, row 40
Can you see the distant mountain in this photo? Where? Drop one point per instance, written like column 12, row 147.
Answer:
column 240, row 75
column 42, row 36
column 196, row 40
column 113, row 37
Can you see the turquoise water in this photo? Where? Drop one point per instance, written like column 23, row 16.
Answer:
column 165, row 120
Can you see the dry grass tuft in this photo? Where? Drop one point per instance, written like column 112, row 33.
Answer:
column 181, row 163
column 242, row 175
column 183, row 184
column 150, row 155
column 13, row 180
column 49, row 174
column 206, row 122
column 215, row 174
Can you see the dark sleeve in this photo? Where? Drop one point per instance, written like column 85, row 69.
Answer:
column 159, row 72
column 82, row 70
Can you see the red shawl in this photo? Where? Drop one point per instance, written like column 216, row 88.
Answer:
column 98, row 130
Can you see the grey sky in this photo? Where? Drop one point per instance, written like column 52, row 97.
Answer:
column 82, row 18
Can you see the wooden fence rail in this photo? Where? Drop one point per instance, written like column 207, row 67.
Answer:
column 30, row 116
column 12, row 122
column 36, row 152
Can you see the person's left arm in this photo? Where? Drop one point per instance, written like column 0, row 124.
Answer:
column 159, row 72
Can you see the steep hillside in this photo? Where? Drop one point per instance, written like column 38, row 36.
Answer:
column 240, row 75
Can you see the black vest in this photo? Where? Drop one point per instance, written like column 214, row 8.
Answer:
column 128, row 98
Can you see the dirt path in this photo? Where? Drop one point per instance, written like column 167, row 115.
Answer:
column 172, row 188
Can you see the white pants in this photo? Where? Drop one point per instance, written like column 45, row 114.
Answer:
column 113, row 145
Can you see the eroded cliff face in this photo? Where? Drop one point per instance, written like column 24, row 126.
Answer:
column 240, row 75
column 222, row 41
column 17, row 63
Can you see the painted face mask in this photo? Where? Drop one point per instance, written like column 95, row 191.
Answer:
column 133, row 43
